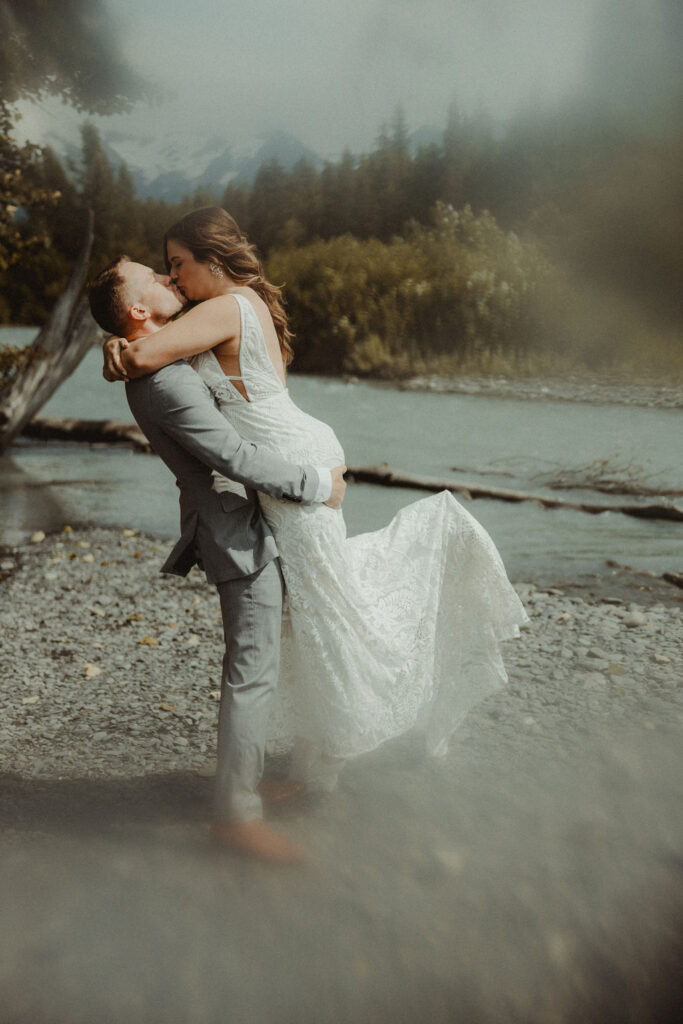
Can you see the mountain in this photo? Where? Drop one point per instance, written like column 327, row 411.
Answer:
column 164, row 168
column 424, row 137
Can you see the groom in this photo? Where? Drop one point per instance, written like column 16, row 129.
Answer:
column 224, row 533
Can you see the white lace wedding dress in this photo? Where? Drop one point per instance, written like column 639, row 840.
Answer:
column 383, row 631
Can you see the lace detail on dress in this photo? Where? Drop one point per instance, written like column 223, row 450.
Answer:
column 391, row 629
column 384, row 631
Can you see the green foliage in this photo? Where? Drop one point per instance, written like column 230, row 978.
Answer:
column 111, row 196
column 16, row 189
column 48, row 237
column 68, row 48
column 457, row 287
column 555, row 247
column 587, row 264
column 13, row 362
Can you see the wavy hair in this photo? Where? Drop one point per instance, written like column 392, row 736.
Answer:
column 212, row 236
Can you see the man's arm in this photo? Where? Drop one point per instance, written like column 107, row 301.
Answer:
column 182, row 407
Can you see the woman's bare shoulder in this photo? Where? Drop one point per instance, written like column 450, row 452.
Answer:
column 248, row 293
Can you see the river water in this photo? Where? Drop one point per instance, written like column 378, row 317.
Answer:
column 503, row 441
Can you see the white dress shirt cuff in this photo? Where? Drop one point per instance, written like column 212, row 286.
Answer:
column 324, row 484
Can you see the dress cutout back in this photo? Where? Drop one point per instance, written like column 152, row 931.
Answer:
column 258, row 375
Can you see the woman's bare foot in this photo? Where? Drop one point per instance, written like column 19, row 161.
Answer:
column 257, row 840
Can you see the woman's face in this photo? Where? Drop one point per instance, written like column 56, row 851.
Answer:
column 194, row 279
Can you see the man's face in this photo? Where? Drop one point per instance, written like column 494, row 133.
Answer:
column 151, row 291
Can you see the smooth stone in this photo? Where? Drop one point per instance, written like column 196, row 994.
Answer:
column 592, row 681
column 593, row 664
column 597, row 652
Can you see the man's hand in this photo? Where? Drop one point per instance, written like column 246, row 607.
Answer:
column 338, row 487
column 113, row 367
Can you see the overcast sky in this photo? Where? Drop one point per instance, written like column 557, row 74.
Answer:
column 331, row 71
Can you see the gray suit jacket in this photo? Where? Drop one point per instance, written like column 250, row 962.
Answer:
column 224, row 533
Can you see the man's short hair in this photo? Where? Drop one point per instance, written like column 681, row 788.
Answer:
column 108, row 299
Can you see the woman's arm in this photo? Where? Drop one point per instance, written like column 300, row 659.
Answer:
column 198, row 330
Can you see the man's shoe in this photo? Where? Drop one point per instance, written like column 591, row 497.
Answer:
column 279, row 791
column 257, row 840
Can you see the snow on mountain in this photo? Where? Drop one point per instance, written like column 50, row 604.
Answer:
column 169, row 168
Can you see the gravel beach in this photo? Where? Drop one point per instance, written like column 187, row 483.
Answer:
column 531, row 875
column 567, row 388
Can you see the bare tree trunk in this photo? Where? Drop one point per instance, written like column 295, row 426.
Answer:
column 61, row 344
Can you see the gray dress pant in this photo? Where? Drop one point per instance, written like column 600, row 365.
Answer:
column 252, row 622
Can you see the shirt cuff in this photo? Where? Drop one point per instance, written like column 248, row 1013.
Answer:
column 324, row 484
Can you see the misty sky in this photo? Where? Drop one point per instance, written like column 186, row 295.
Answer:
column 332, row 71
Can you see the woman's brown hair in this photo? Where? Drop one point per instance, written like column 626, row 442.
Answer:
column 212, row 236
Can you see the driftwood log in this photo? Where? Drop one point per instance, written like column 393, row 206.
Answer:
column 388, row 477
column 59, row 347
column 117, row 432
column 47, row 428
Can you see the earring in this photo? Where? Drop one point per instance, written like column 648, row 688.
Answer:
column 216, row 271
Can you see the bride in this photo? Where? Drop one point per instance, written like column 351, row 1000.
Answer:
column 382, row 632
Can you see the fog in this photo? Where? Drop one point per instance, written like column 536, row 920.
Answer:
column 332, row 73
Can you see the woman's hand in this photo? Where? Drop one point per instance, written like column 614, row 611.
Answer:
column 113, row 366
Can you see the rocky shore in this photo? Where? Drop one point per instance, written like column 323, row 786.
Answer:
column 109, row 666
column 532, row 875
column 606, row 391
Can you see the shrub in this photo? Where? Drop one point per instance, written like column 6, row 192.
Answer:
column 459, row 286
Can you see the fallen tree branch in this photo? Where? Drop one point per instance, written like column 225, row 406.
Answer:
column 46, row 428
column 388, row 477
column 117, row 432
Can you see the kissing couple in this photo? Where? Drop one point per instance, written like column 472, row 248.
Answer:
column 383, row 632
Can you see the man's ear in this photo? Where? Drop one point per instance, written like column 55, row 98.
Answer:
column 138, row 312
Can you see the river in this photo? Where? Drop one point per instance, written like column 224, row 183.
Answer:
column 503, row 441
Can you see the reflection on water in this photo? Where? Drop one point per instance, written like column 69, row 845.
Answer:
column 48, row 485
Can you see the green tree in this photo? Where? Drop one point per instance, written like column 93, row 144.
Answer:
column 270, row 206
column 339, row 208
column 306, row 199
column 48, row 242
column 236, row 202
column 66, row 48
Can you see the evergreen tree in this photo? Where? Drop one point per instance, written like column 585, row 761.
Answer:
column 236, row 201
column 270, row 206
column 63, row 48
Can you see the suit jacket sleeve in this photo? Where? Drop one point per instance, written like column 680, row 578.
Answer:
column 183, row 408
